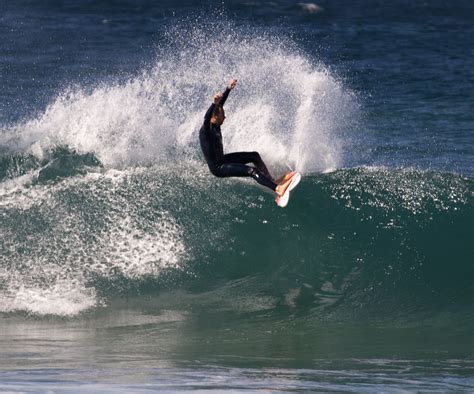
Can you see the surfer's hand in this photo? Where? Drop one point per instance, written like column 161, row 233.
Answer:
column 231, row 84
column 217, row 98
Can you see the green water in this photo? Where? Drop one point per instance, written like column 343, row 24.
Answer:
column 364, row 280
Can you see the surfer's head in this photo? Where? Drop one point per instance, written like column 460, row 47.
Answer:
column 218, row 115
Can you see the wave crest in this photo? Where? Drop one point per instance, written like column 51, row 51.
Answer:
column 286, row 107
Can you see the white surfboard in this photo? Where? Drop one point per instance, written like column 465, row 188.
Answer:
column 282, row 201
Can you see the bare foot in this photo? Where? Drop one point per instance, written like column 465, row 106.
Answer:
column 281, row 188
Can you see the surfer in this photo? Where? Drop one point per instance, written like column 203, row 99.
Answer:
column 233, row 164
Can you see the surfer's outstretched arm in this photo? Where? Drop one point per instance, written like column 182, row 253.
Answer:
column 223, row 97
column 218, row 101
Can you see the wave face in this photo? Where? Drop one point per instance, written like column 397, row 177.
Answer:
column 352, row 242
column 104, row 197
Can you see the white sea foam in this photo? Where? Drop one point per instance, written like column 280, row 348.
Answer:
column 66, row 297
column 285, row 106
column 49, row 266
column 136, row 253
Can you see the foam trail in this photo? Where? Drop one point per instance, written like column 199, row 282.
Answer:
column 284, row 106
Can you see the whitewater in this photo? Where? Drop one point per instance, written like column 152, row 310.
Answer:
column 286, row 108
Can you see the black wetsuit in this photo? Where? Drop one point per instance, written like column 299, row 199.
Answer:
column 232, row 164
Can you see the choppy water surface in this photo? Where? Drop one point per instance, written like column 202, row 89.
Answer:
column 125, row 265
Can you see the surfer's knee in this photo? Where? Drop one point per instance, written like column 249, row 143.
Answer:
column 256, row 155
column 216, row 171
column 256, row 158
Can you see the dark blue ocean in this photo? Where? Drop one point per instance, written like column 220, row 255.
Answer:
column 126, row 266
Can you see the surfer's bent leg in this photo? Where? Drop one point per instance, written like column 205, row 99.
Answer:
column 248, row 157
column 231, row 169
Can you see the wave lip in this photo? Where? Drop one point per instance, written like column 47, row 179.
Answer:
column 287, row 107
